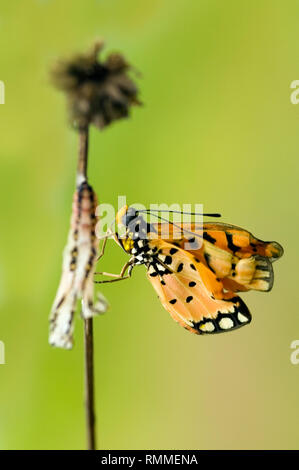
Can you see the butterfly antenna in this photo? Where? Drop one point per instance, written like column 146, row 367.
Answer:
column 177, row 226
column 149, row 211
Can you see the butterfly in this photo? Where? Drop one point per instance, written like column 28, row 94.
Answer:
column 197, row 269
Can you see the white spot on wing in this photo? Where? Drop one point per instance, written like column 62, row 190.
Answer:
column 242, row 318
column 226, row 323
column 208, row 326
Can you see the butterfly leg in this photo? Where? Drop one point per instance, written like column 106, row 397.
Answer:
column 117, row 277
column 102, row 249
column 107, row 235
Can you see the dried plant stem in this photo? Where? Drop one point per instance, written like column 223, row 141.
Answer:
column 88, row 324
column 83, row 155
column 89, row 384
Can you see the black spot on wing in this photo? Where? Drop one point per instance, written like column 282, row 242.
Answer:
column 180, row 267
column 168, row 260
column 208, row 258
column 154, row 274
column 254, row 247
column 208, row 238
column 230, row 243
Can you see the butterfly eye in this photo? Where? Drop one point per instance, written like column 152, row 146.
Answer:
column 126, row 215
column 130, row 216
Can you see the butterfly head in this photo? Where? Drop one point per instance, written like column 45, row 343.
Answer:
column 126, row 216
column 132, row 225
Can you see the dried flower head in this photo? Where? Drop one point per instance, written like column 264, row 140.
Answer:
column 79, row 260
column 98, row 92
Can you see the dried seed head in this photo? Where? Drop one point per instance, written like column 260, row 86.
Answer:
column 98, row 92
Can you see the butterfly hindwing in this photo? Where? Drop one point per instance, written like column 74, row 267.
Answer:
column 192, row 293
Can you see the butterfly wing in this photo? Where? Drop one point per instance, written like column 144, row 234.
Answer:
column 240, row 241
column 239, row 259
column 242, row 261
column 192, row 294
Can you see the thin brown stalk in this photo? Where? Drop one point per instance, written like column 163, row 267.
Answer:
column 89, row 384
column 88, row 323
column 83, row 154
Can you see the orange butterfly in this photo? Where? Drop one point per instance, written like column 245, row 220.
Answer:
column 197, row 285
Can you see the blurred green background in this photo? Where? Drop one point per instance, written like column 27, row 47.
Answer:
column 217, row 128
